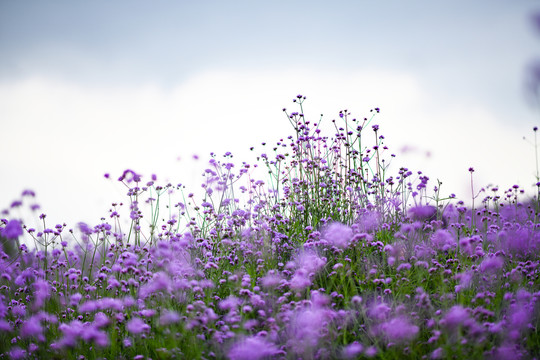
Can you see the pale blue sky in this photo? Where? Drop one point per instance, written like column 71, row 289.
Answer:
column 90, row 87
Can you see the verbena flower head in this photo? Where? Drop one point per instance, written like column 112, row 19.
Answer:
column 137, row 326
column 32, row 328
column 252, row 348
column 17, row 353
column 352, row 351
column 399, row 330
column 300, row 280
column 308, row 326
column 443, row 240
column 455, row 317
column 310, row 261
column 423, row 212
column 491, row 264
column 379, row 311
column 369, row 221
column 169, row 317
column 42, row 292
column 12, row 230
column 270, row 280
column 338, row 235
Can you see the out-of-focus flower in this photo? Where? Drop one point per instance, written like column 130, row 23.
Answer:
column 338, row 235
column 300, row 280
column 423, row 212
column 443, row 240
column 12, row 230
column 399, row 330
column 491, row 264
column 352, row 351
column 455, row 317
column 137, row 326
column 169, row 317
column 32, row 328
column 252, row 348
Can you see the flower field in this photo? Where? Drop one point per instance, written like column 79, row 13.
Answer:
column 331, row 256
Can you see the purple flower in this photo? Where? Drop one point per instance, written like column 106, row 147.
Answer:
column 41, row 292
column 85, row 229
column 75, row 299
column 371, row 351
column 507, row 350
column 147, row 312
column 229, row 303
column 443, row 240
column 110, row 303
column 159, row 282
column 127, row 342
column 252, row 348
column 300, row 280
column 399, row 330
column 12, row 230
column 17, row 353
column 491, row 264
column 4, row 325
column 29, row 192
column 101, row 320
column 270, row 280
column 308, row 326
column 311, row 262
column 91, row 333
column 169, row 317
column 423, row 212
column 71, row 332
column 137, row 326
column 437, row 353
column 379, row 311
column 519, row 318
column 32, row 328
column 369, row 221
column 403, row 266
column 337, row 234
column 88, row 306
column 352, row 351
column 455, row 317
column 129, row 176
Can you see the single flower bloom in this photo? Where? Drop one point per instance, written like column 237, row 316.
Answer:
column 12, row 230
column 169, row 317
column 137, row 326
column 399, row 330
column 338, row 234
column 252, row 348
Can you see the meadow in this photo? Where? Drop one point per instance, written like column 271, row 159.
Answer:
column 332, row 256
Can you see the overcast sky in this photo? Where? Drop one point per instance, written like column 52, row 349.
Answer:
column 93, row 87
